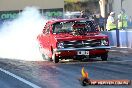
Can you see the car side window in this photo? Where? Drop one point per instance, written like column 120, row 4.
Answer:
column 57, row 27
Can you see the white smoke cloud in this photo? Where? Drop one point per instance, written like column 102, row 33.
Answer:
column 18, row 37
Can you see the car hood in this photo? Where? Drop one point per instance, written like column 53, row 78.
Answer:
column 68, row 37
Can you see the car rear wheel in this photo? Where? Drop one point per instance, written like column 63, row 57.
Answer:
column 104, row 57
column 43, row 56
column 47, row 58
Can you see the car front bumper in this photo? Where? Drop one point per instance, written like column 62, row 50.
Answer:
column 82, row 49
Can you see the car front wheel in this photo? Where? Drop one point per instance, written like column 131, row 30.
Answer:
column 55, row 58
column 104, row 57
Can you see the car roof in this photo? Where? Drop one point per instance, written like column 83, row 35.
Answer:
column 65, row 20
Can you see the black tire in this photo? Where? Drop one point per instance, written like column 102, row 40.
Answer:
column 55, row 58
column 43, row 56
column 47, row 58
column 104, row 57
column 79, row 58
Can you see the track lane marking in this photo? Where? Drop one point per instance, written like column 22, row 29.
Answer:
column 20, row 79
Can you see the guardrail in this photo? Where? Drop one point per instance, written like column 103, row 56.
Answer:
column 125, row 38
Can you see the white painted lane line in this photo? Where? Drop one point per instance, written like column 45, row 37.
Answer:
column 20, row 79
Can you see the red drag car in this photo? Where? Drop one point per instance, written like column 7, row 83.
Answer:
column 72, row 39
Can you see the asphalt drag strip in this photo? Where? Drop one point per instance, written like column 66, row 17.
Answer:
column 66, row 74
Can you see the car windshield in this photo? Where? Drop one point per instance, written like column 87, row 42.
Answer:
column 70, row 26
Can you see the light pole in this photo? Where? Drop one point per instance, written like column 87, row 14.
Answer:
column 102, row 4
column 121, row 5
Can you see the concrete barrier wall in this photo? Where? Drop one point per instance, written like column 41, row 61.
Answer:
column 129, row 39
column 112, row 37
column 125, row 38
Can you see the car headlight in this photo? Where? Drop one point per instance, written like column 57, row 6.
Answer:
column 61, row 45
column 104, row 42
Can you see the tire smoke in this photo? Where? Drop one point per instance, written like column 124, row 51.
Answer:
column 18, row 37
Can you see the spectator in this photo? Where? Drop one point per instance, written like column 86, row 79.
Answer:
column 101, row 23
column 83, row 14
column 96, row 20
column 111, row 22
column 122, row 20
column 130, row 22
